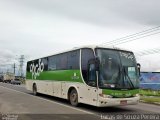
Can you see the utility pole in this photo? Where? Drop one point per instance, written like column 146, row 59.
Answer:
column 21, row 61
column 14, row 68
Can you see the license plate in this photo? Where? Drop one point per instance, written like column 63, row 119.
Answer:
column 123, row 102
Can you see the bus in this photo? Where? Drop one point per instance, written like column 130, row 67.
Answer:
column 94, row 75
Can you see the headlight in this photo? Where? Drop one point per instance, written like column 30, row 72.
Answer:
column 105, row 96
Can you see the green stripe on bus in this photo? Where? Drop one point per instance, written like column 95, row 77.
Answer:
column 58, row 75
column 120, row 93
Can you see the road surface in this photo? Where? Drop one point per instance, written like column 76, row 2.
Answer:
column 15, row 99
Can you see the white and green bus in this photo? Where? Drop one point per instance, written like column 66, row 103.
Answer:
column 91, row 75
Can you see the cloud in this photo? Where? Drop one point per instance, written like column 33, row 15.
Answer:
column 7, row 59
column 41, row 27
column 143, row 12
column 149, row 63
column 104, row 12
column 6, row 53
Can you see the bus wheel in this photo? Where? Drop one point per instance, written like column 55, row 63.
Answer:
column 73, row 97
column 34, row 89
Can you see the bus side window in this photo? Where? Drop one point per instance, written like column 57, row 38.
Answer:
column 45, row 62
column 73, row 59
column 86, row 54
column 52, row 60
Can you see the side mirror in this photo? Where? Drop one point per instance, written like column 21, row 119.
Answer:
column 93, row 66
column 96, row 62
column 139, row 68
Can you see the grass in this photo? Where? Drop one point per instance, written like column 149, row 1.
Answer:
column 149, row 92
column 151, row 99
column 150, row 96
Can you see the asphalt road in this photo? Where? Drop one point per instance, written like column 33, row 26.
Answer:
column 16, row 100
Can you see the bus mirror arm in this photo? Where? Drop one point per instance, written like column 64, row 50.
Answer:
column 97, row 79
column 139, row 68
column 97, row 63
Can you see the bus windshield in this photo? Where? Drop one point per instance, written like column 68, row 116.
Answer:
column 118, row 69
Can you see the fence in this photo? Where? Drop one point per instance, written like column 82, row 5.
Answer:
column 150, row 80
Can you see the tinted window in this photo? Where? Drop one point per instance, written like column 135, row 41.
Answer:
column 65, row 61
column 87, row 54
column 28, row 66
column 109, row 67
column 52, row 63
column 73, row 60
column 62, row 61
column 45, row 62
column 117, row 69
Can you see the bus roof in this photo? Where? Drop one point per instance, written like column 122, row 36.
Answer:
column 86, row 46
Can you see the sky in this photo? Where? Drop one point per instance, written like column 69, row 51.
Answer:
column 37, row 28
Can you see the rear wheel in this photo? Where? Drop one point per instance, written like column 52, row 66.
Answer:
column 34, row 89
column 73, row 97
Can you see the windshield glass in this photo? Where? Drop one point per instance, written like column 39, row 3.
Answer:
column 117, row 69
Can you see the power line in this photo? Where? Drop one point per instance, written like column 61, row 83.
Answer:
column 137, row 38
column 125, row 39
column 148, row 52
column 136, row 34
column 129, row 39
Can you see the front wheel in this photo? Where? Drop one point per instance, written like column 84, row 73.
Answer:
column 73, row 97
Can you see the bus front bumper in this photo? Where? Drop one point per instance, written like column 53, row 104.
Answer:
column 106, row 102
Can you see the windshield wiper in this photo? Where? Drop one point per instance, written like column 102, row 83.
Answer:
column 129, row 79
column 120, row 75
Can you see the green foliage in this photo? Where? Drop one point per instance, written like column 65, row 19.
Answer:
column 150, row 96
column 150, row 92
column 151, row 99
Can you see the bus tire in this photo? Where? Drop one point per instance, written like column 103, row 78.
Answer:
column 73, row 97
column 35, row 89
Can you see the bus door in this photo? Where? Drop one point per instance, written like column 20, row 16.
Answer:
column 91, row 87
